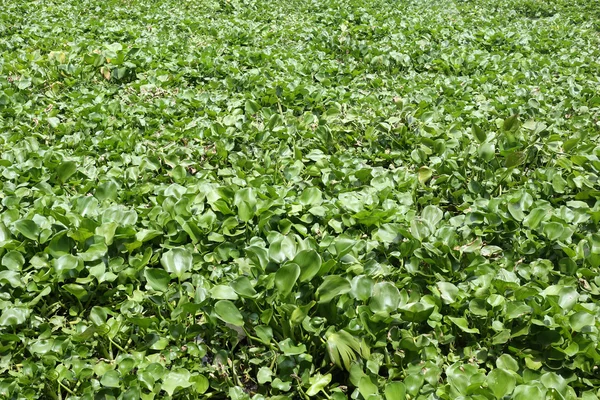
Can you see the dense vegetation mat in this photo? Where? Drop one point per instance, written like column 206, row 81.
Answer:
column 299, row 199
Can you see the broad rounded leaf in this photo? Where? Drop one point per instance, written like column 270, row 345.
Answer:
column 223, row 292
column 424, row 174
column 309, row 262
column 14, row 316
column 362, row 287
column 432, row 215
column 243, row 287
column 311, row 197
column 448, row 291
column 487, row 151
column 13, row 260
column 158, row 279
column 111, row 379
column 535, row 217
column 386, row 298
column 66, row 170
column 501, row 382
column 463, row 325
column 528, row 392
column 28, row 228
column 13, row 278
column 553, row 230
column 177, row 261
column 318, row 383
column 416, row 311
column 177, row 378
column 507, row 362
column 395, row 391
column 66, row 263
column 332, row 286
column 229, row 313
column 285, row 278
column 580, row 320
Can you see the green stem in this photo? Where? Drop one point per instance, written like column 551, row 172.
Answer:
column 103, row 350
column 66, row 388
column 117, row 345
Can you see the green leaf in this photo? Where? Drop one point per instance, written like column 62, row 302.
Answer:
column 510, row 122
column 413, row 383
column 362, row 287
column 280, row 385
column 580, row 320
column 479, row 133
column 177, row 378
column 332, row 286
column 245, row 211
column 309, row 262
column 528, row 392
column 290, row 349
column 243, row 287
column 66, row 170
column 395, row 391
column 252, row 107
column 177, row 261
column 515, row 159
column 13, row 260
column 424, row 174
column 416, row 311
column 432, row 215
column 535, row 217
column 501, row 382
column 318, row 383
column 385, row 299
column 111, row 379
column 553, row 230
column 264, row 333
column 107, row 231
column 264, row 375
column 567, row 298
column 107, row 191
column 158, row 279
column 487, row 151
column 343, row 348
column 13, row 278
column 285, row 279
column 507, row 362
column 14, row 316
column 28, row 228
column 223, row 292
column 67, row 263
column 463, row 325
column 76, row 290
column 552, row 380
column 366, row 387
column 229, row 313
column 419, row 230
column 449, row 292
column 281, row 250
column 311, row 196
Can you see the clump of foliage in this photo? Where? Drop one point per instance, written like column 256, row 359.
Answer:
column 299, row 199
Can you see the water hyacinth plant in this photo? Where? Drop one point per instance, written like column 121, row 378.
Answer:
column 338, row 199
